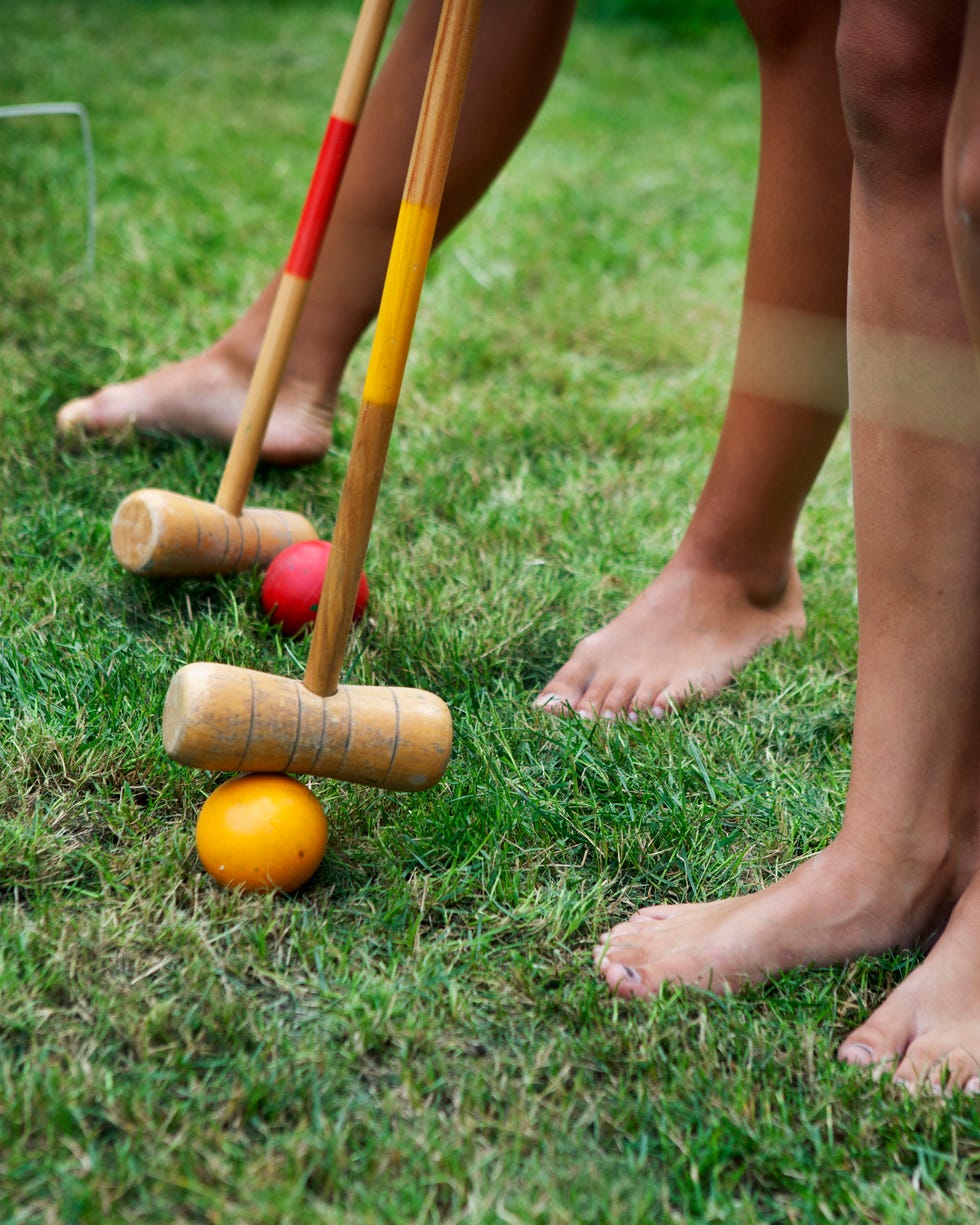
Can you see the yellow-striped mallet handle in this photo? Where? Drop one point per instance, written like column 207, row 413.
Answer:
column 222, row 718
column 411, row 247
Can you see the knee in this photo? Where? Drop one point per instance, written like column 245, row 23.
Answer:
column 780, row 30
column 897, row 66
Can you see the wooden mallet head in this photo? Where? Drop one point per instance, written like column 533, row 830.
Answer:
column 160, row 534
column 222, row 718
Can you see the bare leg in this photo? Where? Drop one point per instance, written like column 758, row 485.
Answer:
column 928, row 1030
column 908, row 849
column 732, row 586
column 518, row 50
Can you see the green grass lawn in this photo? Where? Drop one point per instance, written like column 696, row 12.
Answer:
column 417, row 1035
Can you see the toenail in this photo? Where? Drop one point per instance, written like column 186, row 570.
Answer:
column 658, row 712
column 858, row 1054
column 586, row 713
column 972, row 1085
column 609, row 714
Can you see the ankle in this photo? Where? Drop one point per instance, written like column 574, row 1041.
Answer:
column 234, row 362
column 932, row 853
column 763, row 576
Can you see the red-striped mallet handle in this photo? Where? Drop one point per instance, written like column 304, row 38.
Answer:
column 410, row 250
column 355, row 78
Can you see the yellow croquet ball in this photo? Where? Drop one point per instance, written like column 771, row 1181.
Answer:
column 262, row 832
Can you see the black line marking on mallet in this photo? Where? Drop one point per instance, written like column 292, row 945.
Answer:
column 299, row 728
column 394, row 739
column 251, row 723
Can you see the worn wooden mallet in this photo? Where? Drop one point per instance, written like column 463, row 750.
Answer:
column 218, row 717
column 169, row 535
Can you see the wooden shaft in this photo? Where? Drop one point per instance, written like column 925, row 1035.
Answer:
column 243, row 455
column 411, row 248
column 218, row 717
column 166, row 535
column 362, row 55
column 355, row 78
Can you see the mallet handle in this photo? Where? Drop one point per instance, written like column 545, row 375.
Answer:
column 355, row 78
column 411, row 247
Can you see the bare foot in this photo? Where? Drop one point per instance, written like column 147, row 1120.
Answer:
column 203, row 398
column 847, row 900
column 927, row 1033
column 685, row 635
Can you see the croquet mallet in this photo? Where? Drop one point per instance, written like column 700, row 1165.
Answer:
column 168, row 535
column 218, row 717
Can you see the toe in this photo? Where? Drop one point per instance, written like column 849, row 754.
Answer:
column 617, row 700
column 562, row 694
column 936, row 1062
column 623, row 951
column 645, row 699
column 73, row 415
column 664, row 704
column 622, row 980
column 675, row 697
column 591, row 704
column 554, row 702
column 635, row 926
column 659, row 912
column 858, row 1054
column 878, row 1043
column 111, row 409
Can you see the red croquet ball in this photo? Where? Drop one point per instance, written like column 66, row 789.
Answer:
column 293, row 582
